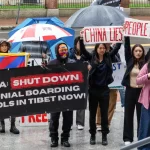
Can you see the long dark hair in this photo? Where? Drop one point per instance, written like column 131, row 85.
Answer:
column 77, row 39
column 140, row 61
column 96, row 47
column 148, row 66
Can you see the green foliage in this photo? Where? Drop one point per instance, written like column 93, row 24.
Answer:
column 21, row 6
column 139, row 5
column 73, row 5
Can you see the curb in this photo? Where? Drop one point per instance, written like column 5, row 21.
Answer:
column 7, row 27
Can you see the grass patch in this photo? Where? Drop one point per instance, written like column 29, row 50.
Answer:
column 67, row 5
column 139, row 5
column 21, row 6
column 73, row 5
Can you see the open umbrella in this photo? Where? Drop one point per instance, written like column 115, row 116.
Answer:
column 39, row 32
column 96, row 15
column 17, row 47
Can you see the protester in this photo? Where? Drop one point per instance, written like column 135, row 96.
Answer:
column 135, row 59
column 4, row 48
column 100, row 76
column 113, row 92
column 61, row 58
column 122, row 89
column 76, row 54
column 143, row 78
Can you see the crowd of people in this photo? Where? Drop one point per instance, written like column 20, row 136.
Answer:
column 102, row 100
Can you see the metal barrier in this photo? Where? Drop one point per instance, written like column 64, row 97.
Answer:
column 13, row 4
column 74, row 3
column 137, row 144
column 139, row 3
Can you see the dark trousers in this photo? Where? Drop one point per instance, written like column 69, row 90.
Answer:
column 144, row 128
column 12, row 120
column 131, row 101
column 99, row 96
column 54, row 124
column 80, row 117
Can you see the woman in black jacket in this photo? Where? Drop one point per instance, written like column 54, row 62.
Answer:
column 100, row 76
column 76, row 54
column 135, row 59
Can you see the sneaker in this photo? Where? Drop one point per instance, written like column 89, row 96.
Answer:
column 80, row 127
column 127, row 143
column 98, row 127
column 123, row 109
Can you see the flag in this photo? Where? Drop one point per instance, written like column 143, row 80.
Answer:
column 13, row 60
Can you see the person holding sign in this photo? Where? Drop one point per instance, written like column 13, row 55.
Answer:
column 143, row 78
column 4, row 48
column 62, row 54
column 100, row 76
column 76, row 54
column 135, row 59
column 113, row 92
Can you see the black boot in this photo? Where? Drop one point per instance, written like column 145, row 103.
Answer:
column 93, row 140
column 65, row 142
column 2, row 130
column 104, row 139
column 54, row 142
column 13, row 128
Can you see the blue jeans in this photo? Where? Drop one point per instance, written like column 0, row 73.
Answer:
column 144, row 129
column 122, row 96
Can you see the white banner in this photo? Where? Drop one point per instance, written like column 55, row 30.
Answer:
column 118, row 73
column 137, row 28
column 34, row 120
column 102, row 34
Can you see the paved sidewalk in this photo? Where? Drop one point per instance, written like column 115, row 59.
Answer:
column 37, row 138
column 11, row 23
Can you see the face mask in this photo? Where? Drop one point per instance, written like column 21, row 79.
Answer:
column 63, row 54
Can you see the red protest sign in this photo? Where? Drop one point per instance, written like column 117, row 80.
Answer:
column 111, row 34
column 136, row 28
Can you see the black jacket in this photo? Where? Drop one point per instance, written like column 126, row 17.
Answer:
column 115, row 57
column 107, row 59
column 57, row 62
column 129, row 62
column 72, row 56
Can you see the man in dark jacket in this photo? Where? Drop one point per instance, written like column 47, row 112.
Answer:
column 61, row 58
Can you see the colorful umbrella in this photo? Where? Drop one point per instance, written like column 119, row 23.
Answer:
column 39, row 32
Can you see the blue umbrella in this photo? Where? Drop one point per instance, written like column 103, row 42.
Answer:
column 46, row 20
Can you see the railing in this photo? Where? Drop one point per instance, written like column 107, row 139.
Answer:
column 13, row 4
column 139, row 3
column 74, row 3
column 85, row 3
column 137, row 144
